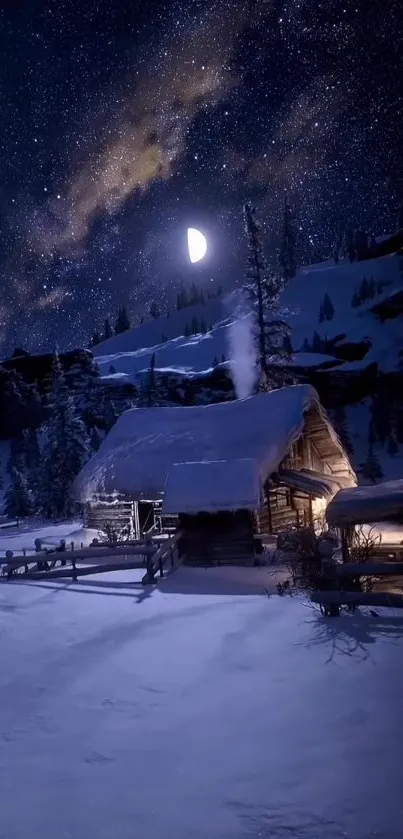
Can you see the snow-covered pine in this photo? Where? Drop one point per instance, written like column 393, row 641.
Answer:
column 328, row 308
column 122, row 321
column 150, row 395
column 18, row 499
column 371, row 469
column 321, row 313
column 287, row 257
column 65, row 449
column 270, row 326
column 108, row 332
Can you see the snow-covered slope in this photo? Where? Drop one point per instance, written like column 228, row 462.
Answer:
column 130, row 352
column 199, row 709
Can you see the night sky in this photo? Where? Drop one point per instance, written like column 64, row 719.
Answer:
column 122, row 123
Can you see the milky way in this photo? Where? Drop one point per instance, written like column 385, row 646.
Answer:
column 121, row 127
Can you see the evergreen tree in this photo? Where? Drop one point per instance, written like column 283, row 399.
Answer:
column 361, row 244
column 203, row 328
column 95, row 440
column 112, row 370
column 339, row 419
column 306, row 347
column 287, row 345
column 65, row 449
column 107, row 330
column 181, row 299
column 215, row 361
column 349, row 245
column 356, row 300
column 391, row 446
column 187, row 331
column 148, row 394
column 19, row 497
column 122, row 321
column 364, row 290
column 338, row 246
column 95, row 339
column 194, row 326
column 321, row 313
column 317, row 343
column 328, row 309
column 154, row 311
column 288, row 244
column 373, row 247
column 371, row 288
column 371, row 469
column 270, row 325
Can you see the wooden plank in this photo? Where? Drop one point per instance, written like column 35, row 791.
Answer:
column 82, row 554
column 63, row 573
column 359, row 598
column 369, row 569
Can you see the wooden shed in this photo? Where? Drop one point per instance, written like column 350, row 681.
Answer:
column 249, row 466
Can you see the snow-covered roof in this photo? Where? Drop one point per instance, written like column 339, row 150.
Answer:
column 138, row 453
column 311, row 482
column 366, row 504
column 210, row 486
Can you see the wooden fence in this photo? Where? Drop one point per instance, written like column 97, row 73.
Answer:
column 340, row 593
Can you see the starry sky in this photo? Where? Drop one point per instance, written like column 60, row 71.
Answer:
column 123, row 123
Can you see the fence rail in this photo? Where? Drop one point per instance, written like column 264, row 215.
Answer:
column 166, row 553
column 331, row 599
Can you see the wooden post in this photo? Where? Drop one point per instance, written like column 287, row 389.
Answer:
column 344, row 545
column 74, row 569
column 72, row 546
column 161, row 566
column 269, row 511
column 310, row 512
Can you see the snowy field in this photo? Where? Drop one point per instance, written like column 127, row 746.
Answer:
column 202, row 708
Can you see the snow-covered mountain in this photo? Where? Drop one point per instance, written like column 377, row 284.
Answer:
column 358, row 344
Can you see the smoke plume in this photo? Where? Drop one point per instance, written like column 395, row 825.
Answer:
column 242, row 352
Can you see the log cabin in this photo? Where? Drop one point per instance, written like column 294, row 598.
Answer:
column 220, row 473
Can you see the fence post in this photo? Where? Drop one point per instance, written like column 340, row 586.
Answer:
column 24, row 551
column 74, row 569
column 72, row 546
column 161, row 566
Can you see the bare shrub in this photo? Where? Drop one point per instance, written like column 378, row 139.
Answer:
column 113, row 533
column 364, row 544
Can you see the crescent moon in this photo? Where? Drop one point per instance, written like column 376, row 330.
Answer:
column 197, row 244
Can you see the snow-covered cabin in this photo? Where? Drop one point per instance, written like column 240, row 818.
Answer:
column 241, row 467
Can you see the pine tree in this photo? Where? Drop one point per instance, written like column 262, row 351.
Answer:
column 122, row 321
column 364, row 290
column 337, row 247
column 288, row 244
column 361, row 244
column 95, row 339
column 391, row 446
column 187, row 331
column 321, row 313
column 65, row 449
column 270, row 325
column 215, row 361
column 339, row 419
column 371, row 289
column 306, row 347
column 356, row 300
column 112, row 370
column 182, row 299
column 194, row 326
column 154, row 311
column 371, row 469
column 349, row 245
column 328, row 309
column 19, row 497
column 203, row 328
column 107, row 330
column 287, row 345
column 148, row 394
column 317, row 343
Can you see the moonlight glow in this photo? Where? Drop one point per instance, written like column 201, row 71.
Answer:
column 197, row 244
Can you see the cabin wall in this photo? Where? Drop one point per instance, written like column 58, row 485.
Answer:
column 285, row 507
column 217, row 539
column 117, row 514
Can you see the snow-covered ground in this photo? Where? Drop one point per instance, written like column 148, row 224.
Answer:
column 201, row 708
column 21, row 538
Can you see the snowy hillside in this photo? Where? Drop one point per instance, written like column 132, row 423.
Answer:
column 200, row 708
column 130, row 352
